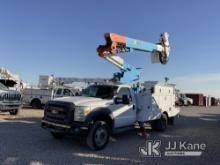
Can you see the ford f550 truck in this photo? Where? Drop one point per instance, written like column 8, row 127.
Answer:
column 106, row 109
column 10, row 100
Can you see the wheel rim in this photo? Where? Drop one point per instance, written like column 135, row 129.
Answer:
column 101, row 136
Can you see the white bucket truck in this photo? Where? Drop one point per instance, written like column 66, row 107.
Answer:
column 106, row 109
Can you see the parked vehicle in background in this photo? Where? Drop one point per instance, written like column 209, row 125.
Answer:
column 198, row 98
column 37, row 97
column 183, row 100
column 218, row 101
column 10, row 100
column 109, row 108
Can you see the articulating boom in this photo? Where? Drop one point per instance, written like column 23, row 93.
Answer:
column 119, row 44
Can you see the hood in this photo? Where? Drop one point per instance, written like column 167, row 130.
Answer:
column 84, row 101
column 9, row 91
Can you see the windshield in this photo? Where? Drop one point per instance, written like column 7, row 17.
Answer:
column 98, row 91
column 3, row 87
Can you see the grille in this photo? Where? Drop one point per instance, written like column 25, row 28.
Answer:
column 12, row 97
column 60, row 112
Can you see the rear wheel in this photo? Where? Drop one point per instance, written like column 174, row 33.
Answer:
column 36, row 104
column 98, row 136
column 13, row 112
column 160, row 124
column 57, row 135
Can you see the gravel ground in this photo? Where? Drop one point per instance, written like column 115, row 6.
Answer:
column 24, row 142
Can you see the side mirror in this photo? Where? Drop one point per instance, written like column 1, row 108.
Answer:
column 125, row 99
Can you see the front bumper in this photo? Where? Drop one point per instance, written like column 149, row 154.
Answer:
column 74, row 128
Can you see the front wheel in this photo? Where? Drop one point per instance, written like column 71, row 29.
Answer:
column 98, row 136
column 13, row 112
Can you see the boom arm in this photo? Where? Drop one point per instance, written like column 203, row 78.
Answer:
column 6, row 74
column 118, row 44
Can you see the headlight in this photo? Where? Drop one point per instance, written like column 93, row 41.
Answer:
column 81, row 112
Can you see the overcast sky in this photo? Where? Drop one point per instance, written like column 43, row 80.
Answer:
column 60, row 37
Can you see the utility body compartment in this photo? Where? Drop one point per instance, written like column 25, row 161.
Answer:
column 154, row 100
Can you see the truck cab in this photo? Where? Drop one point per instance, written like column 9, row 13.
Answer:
column 98, row 112
column 61, row 92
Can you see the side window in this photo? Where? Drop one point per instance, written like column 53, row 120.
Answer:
column 66, row 92
column 59, row 91
column 124, row 91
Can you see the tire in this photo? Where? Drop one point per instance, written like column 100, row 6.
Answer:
column 36, row 104
column 181, row 103
column 57, row 135
column 98, row 136
column 161, row 124
column 13, row 112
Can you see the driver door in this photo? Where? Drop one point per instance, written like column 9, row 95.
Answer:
column 124, row 115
